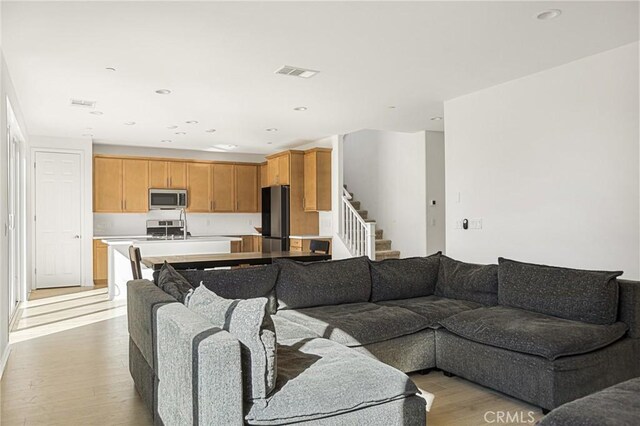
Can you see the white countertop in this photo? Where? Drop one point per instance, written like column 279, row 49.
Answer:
column 145, row 240
column 310, row 237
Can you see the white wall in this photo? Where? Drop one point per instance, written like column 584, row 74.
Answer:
column 387, row 173
column 436, row 230
column 84, row 147
column 550, row 164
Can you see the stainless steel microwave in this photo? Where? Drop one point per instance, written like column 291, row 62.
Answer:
column 167, row 199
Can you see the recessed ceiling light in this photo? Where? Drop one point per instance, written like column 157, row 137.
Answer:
column 165, row 140
column 129, row 123
column 226, row 147
column 172, row 127
column 181, row 133
column 269, row 143
column 300, row 109
column 96, row 112
column 272, row 129
column 191, row 122
column 549, row 14
column 163, row 91
column 210, row 130
column 88, row 135
column 391, row 107
column 88, row 128
column 110, row 69
column 436, row 118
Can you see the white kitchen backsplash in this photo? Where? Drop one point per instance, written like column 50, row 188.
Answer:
column 115, row 224
column 325, row 224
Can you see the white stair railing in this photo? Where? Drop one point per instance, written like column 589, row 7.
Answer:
column 358, row 235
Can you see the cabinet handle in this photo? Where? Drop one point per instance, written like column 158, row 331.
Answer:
column 170, row 180
column 125, row 204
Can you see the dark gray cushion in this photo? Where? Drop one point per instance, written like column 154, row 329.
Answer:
column 173, row 283
column 467, row 281
column 287, row 330
column 404, row 278
column 318, row 378
column 248, row 321
column 240, row 283
column 614, row 406
column 433, row 308
column 532, row 333
column 589, row 296
column 301, row 285
column 357, row 324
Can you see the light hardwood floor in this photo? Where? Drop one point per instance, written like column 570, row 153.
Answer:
column 69, row 366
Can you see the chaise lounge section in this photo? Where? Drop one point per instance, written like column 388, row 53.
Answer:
column 353, row 326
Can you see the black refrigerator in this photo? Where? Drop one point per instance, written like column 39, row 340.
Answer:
column 275, row 218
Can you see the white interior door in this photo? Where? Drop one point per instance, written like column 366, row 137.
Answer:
column 14, row 223
column 58, row 220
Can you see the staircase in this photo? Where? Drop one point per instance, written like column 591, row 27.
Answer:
column 382, row 246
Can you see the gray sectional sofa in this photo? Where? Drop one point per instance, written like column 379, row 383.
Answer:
column 348, row 331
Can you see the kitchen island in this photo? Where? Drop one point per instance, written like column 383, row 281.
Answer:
column 119, row 267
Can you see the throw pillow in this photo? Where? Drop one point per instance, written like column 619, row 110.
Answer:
column 248, row 321
column 172, row 283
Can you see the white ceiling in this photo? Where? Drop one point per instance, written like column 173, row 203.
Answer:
column 218, row 59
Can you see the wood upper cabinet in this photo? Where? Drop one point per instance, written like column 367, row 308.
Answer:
column 317, row 179
column 223, row 187
column 279, row 169
column 135, row 185
column 107, row 185
column 167, row 174
column 264, row 175
column 246, row 182
column 199, row 187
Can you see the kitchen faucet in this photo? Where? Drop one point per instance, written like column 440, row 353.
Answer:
column 183, row 211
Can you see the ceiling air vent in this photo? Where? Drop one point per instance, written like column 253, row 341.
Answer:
column 296, row 72
column 82, row 103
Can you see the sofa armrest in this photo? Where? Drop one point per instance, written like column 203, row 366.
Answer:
column 199, row 370
column 629, row 306
column 143, row 297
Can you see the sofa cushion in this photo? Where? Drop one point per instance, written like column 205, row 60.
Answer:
column 241, row 283
column 433, row 308
column 467, row 281
column 318, row 378
column 589, row 296
column 248, row 321
column 613, row 406
column 404, row 278
column 357, row 324
column 173, row 283
column 287, row 330
column 532, row 333
column 301, row 285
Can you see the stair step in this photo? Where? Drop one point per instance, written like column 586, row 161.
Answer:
column 382, row 245
column 387, row 254
column 363, row 213
column 356, row 205
column 378, row 234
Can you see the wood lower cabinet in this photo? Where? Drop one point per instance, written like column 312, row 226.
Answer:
column 223, row 184
column 135, row 186
column 246, row 188
column 107, row 185
column 199, row 188
column 247, row 244
column 317, row 180
column 236, row 246
column 257, row 243
column 300, row 244
column 100, row 263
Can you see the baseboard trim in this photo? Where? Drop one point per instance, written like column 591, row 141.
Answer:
column 4, row 359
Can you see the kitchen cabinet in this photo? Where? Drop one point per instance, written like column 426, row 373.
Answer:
column 257, row 243
column 304, row 244
column 248, row 244
column 100, row 262
column 135, row 186
column 278, row 169
column 264, row 175
column 107, row 185
column 246, row 188
column 236, row 246
column 199, row 189
column 167, row 174
column 302, row 222
column 223, row 187
column 317, row 180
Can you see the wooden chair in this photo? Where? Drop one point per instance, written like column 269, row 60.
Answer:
column 134, row 258
column 319, row 246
